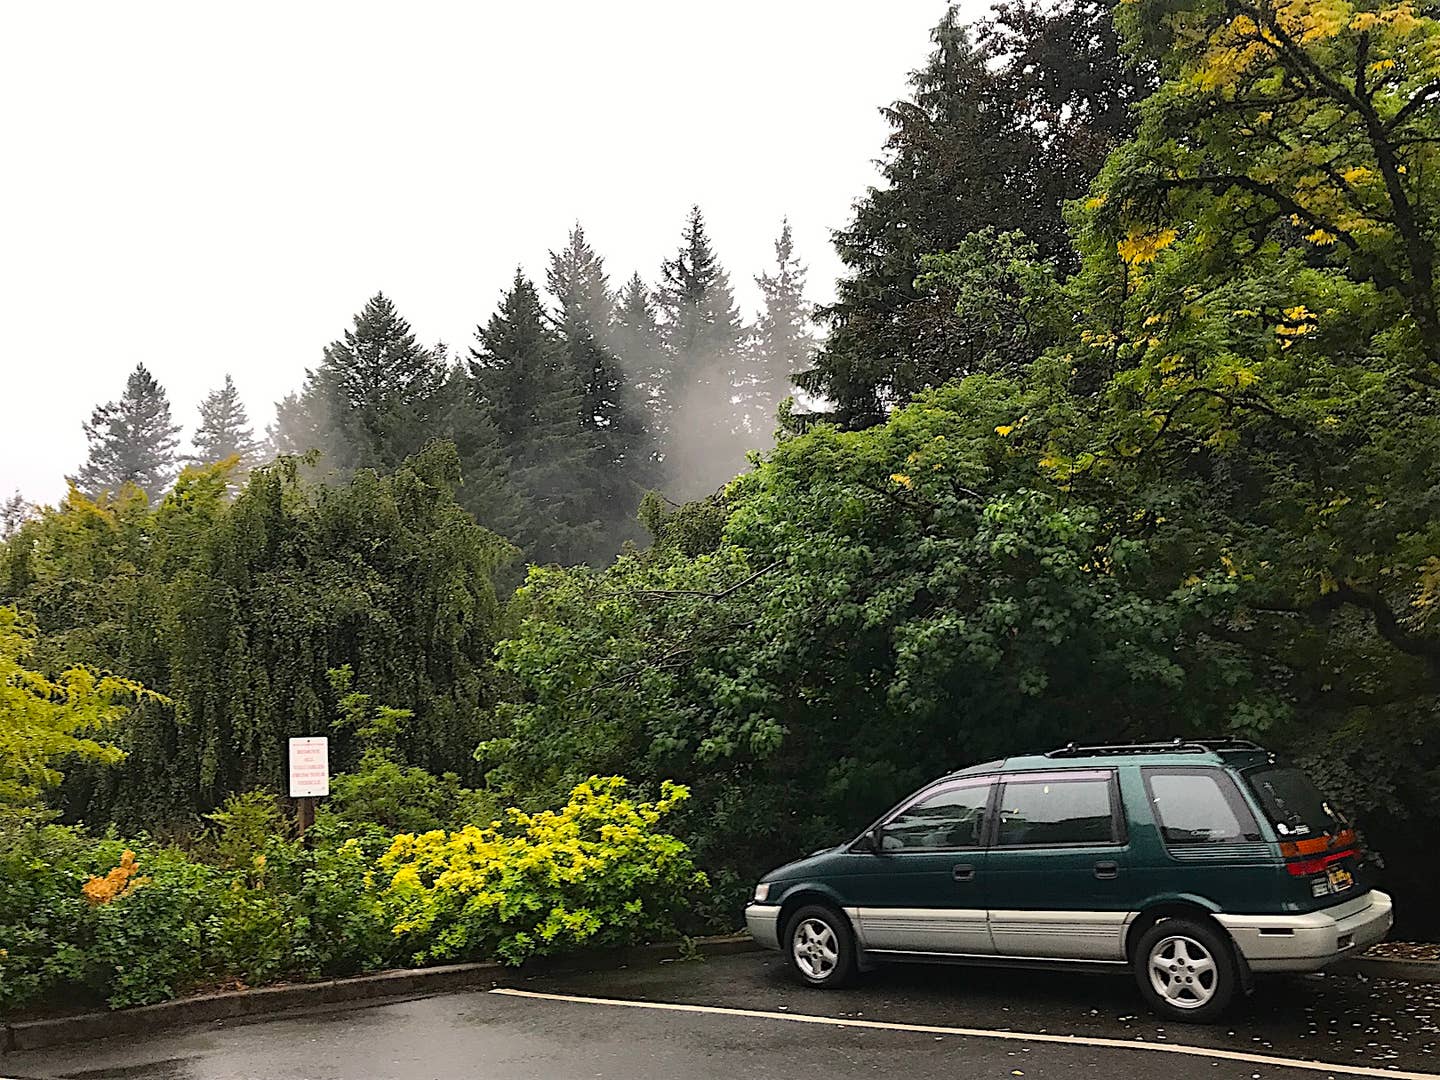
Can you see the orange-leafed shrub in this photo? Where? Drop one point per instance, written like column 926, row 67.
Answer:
column 118, row 882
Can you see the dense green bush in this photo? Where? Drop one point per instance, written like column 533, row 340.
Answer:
column 44, row 916
column 155, row 939
column 135, row 923
column 340, row 926
column 383, row 789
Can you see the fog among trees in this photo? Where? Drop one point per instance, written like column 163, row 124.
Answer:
column 1124, row 424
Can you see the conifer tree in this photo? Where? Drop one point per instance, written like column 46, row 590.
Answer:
column 1004, row 124
column 611, row 415
column 487, row 490
column 703, row 338
column 525, row 387
column 782, row 344
column 131, row 441
column 373, row 400
column 635, row 339
column 14, row 512
column 224, row 430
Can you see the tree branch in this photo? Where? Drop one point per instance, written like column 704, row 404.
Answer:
column 1218, row 181
column 1386, row 624
column 703, row 594
column 1419, row 100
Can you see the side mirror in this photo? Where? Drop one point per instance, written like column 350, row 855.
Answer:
column 870, row 841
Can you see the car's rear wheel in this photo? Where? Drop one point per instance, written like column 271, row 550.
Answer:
column 1186, row 970
column 820, row 947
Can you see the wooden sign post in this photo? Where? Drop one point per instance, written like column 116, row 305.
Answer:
column 309, row 777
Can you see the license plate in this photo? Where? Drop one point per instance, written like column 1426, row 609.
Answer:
column 1340, row 879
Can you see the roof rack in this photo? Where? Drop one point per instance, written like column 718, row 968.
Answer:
column 1175, row 746
column 1229, row 742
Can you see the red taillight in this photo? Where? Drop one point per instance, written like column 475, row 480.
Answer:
column 1306, row 867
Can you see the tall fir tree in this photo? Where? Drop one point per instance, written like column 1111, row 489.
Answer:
column 487, row 489
column 224, row 430
column 374, row 398
column 299, row 423
column 636, row 340
column 524, row 386
column 782, row 343
column 131, row 441
column 612, row 415
column 1006, row 122
column 703, row 339
column 14, row 512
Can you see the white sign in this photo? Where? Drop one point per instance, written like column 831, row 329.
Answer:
column 309, row 767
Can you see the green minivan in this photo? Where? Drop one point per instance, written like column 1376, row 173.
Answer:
column 1194, row 863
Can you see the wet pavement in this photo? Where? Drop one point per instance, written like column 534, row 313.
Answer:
column 1361, row 1026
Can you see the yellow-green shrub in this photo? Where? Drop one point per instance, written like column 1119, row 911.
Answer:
column 596, row 872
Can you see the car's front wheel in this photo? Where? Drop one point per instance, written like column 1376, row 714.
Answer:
column 1186, row 970
column 820, row 947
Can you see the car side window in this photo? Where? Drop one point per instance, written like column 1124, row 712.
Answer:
column 1055, row 810
column 1198, row 806
column 952, row 817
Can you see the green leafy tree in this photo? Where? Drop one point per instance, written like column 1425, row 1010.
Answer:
column 1257, row 302
column 131, row 441
column 224, row 430
column 46, row 722
column 76, row 569
column 1246, row 385
column 237, row 608
column 870, row 603
column 1007, row 304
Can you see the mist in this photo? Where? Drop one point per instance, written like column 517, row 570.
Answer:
column 205, row 190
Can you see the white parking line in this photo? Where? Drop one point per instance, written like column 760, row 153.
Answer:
column 984, row 1033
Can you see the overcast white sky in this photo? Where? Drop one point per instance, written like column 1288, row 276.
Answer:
column 211, row 188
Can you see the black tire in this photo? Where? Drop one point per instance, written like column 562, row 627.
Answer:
column 823, row 958
column 1186, row 969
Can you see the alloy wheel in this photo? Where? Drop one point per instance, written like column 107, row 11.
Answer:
column 815, row 949
column 1183, row 972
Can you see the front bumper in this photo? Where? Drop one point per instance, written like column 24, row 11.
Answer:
column 1312, row 941
column 763, row 922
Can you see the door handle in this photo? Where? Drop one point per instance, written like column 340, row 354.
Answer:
column 1107, row 870
column 963, row 872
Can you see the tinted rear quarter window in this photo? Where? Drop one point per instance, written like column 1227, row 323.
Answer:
column 1198, row 806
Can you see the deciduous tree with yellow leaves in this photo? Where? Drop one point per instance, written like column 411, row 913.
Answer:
column 1258, row 353
column 1259, row 291
column 44, row 721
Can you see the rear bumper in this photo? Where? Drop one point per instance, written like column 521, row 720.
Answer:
column 1312, row 941
column 763, row 922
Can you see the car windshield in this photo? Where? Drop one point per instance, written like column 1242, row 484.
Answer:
column 1294, row 805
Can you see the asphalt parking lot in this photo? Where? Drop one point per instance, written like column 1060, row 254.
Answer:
column 739, row 1016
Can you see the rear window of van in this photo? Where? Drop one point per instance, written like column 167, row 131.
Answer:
column 1294, row 805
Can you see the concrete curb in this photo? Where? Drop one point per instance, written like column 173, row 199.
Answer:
column 1385, row 967
column 228, row 1005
